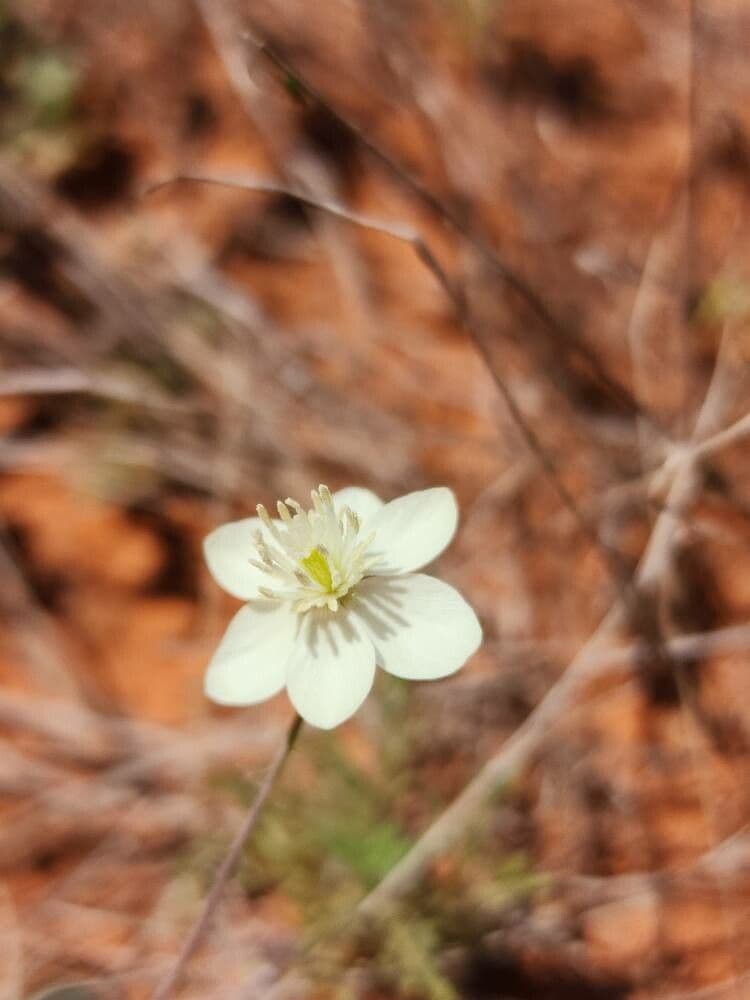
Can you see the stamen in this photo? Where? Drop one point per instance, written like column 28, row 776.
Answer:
column 264, row 553
column 317, row 556
column 266, row 519
column 352, row 519
column 325, row 495
column 363, row 546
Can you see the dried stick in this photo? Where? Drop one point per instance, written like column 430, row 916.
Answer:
column 266, row 185
column 488, row 253
column 517, row 750
column 64, row 381
column 729, row 858
column 677, row 455
column 194, row 938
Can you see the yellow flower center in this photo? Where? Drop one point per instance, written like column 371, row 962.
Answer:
column 316, row 566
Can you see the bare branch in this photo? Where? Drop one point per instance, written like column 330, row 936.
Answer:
column 508, row 274
column 519, row 748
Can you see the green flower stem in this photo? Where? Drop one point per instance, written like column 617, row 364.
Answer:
column 171, row 981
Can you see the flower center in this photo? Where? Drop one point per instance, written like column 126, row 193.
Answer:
column 313, row 557
column 318, row 569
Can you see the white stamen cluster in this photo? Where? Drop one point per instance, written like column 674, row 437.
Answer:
column 314, row 557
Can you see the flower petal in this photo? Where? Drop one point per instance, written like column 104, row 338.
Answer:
column 421, row 628
column 331, row 670
column 363, row 502
column 249, row 664
column 228, row 550
column 413, row 530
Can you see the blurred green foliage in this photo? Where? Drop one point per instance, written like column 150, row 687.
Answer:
column 470, row 17
column 39, row 84
column 45, row 82
column 727, row 297
column 513, row 879
column 408, row 957
column 332, row 839
column 202, row 858
column 331, row 833
column 201, row 317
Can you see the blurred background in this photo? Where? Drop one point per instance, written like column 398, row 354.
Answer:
column 499, row 245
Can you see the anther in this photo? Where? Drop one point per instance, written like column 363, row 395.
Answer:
column 266, row 519
column 353, row 519
column 264, row 552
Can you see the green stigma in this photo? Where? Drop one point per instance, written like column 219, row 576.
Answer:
column 317, row 568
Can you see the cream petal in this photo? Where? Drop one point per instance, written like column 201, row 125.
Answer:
column 331, row 669
column 413, row 530
column 363, row 502
column 421, row 628
column 228, row 550
column 249, row 664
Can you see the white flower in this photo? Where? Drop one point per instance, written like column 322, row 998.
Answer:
column 331, row 592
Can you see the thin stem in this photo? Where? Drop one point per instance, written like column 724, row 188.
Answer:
column 172, row 980
column 561, row 330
